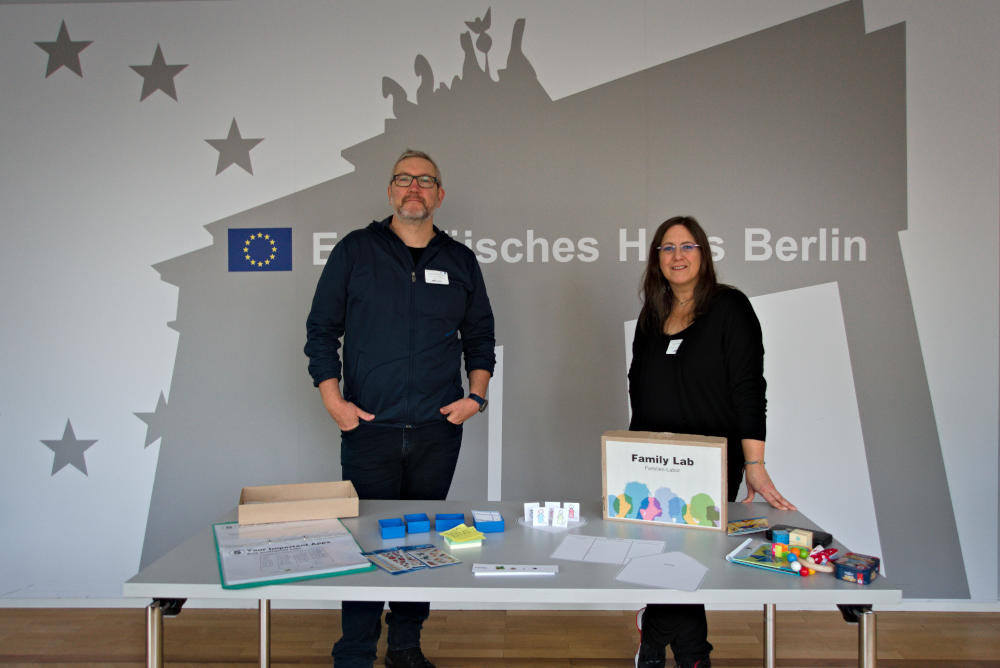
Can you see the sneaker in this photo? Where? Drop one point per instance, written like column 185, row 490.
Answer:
column 406, row 658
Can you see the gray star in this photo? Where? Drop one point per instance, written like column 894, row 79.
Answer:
column 234, row 149
column 153, row 421
column 69, row 450
column 63, row 52
column 158, row 76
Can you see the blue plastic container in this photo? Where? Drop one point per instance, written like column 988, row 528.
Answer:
column 493, row 526
column 417, row 523
column 445, row 521
column 392, row 528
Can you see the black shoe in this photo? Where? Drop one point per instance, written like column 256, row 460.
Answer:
column 697, row 663
column 649, row 656
column 406, row 658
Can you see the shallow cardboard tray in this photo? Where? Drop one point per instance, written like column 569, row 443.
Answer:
column 301, row 501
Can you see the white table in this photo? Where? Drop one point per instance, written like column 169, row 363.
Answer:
column 191, row 571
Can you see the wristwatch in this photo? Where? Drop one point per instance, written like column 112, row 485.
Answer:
column 483, row 403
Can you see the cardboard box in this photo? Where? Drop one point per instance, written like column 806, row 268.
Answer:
column 303, row 501
column 664, row 478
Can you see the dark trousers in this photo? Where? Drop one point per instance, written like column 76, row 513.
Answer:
column 684, row 626
column 392, row 463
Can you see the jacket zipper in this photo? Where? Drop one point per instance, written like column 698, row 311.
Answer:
column 413, row 298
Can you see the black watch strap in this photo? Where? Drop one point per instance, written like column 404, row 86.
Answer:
column 479, row 400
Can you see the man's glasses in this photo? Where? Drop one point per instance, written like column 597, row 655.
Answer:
column 404, row 180
column 684, row 248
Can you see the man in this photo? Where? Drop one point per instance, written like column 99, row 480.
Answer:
column 409, row 302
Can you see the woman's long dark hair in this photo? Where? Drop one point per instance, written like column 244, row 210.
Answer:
column 657, row 297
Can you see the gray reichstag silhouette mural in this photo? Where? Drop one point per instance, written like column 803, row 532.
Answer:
column 788, row 144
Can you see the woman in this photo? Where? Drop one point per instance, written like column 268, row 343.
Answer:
column 697, row 368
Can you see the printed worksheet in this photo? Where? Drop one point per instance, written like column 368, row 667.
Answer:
column 266, row 553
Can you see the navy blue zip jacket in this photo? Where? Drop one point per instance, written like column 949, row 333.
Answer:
column 405, row 326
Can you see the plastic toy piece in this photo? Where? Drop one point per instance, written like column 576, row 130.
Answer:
column 796, row 557
column 780, row 550
column 793, row 563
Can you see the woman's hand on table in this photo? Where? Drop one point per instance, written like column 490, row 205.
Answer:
column 759, row 482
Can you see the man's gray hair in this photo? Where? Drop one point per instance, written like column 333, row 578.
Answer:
column 411, row 153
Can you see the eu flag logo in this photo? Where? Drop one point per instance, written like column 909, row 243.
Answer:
column 260, row 249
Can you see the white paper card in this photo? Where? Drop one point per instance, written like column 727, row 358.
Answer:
column 672, row 570
column 604, row 550
column 540, row 518
column 560, row 518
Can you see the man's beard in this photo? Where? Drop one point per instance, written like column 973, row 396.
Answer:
column 411, row 215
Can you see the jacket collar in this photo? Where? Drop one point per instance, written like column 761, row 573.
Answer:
column 383, row 227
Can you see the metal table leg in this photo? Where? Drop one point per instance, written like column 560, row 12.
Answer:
column 867, row 640
column 864, row 617
column 769, row 660
column 264, row 649
column 154, row 635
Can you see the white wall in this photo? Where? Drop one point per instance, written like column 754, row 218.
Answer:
column 97, row 187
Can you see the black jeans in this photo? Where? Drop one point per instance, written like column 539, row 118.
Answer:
column 684, row 626
column 392, row 463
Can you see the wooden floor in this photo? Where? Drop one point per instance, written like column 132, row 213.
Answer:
column 489, row 639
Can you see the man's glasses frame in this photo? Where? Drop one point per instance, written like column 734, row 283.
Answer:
column 423, row 180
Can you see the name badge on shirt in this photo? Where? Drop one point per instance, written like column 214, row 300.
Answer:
column 673, row 346
column 436, row 277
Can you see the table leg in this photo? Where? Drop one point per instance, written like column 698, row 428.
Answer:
column 265, row 633
column 154, row 635
column 769, row 661
column 867, row 645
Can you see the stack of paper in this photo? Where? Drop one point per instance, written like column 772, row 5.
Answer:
column 463, row 536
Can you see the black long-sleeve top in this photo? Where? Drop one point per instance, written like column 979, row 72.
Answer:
column 713, row 382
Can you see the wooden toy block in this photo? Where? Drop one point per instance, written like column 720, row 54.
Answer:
column 800, row 538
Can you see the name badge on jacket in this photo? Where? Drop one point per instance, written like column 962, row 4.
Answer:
column 673, row 346
column 436, row 277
